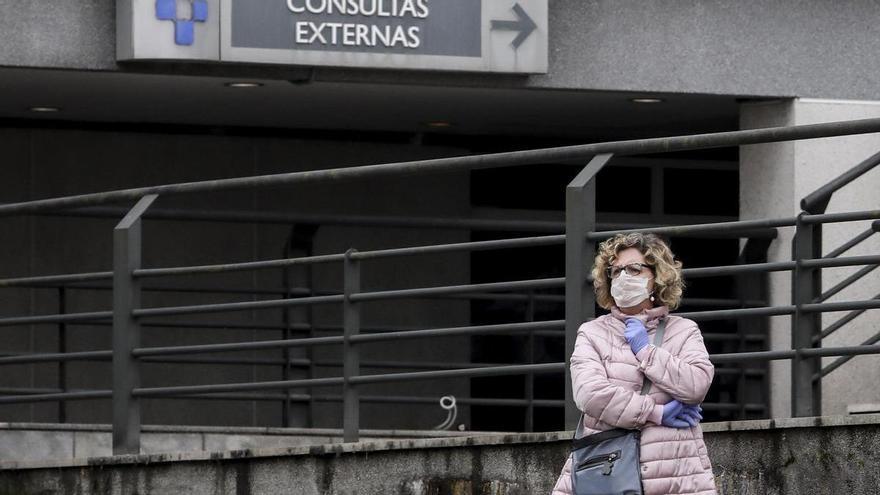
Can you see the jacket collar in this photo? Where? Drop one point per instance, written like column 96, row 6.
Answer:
column 650, row 317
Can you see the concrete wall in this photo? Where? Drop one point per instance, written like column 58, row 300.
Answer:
column 784, row 48
column 829, row 455
column 40, row 163
column 774, row 178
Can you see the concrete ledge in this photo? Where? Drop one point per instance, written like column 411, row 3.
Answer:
column 42, row 445
column 380, row 445
column 236, row 430
column 774, row 424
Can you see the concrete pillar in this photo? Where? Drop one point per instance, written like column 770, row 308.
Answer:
column 773, row 179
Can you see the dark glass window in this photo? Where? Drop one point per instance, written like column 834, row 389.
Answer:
column 624, row 190
column 701, row 192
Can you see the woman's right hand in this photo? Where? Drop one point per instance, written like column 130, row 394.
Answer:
column 678, row 415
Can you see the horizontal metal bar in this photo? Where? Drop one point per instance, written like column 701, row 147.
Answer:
column 840, row 306
column 714, row 271
column 465, row 373
column 758, row 372
column 576, row 153
column 28, row 391
column 103, row 356
column 64, row 396
column 790, row 353
column 301, row 327
column 236, row 346
column 519, row 242
column 755, row 337
column 55, row 279
column 235, row 267
column 852, row 216
column 430, row 365
column 543, row 283
column 237, row 387
column 722, row 314
column 838, row 262
column 224, row 361
column 854, row 350
column 737, row 303
column 337, row 340
column 855, row 241
column 64, row 318
column 377, row 399
column 236, row 306
column 359, row 380
column 56, row 357
column 739, row 228
column 284, row 218
column 712, row 406
column 467, row 401
column 780, row 310
column 717, row 271
column 457, row 331
column 427, row 365
column 239, row 397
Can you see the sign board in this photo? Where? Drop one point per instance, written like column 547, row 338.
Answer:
column 508, row 36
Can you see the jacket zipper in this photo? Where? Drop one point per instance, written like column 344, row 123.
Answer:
column 599, row 460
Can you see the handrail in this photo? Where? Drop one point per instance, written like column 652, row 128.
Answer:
column 477, row 162
column 817, row 201
column 129, row 314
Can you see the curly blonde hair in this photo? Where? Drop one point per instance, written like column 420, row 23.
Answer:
column 668, row 282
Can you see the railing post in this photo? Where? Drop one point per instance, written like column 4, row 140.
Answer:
column 62, row 348
column 580, row 302
column 299, row 242
column 806, row 393
column 126, row 329
column 530, row 377
column 351, row 317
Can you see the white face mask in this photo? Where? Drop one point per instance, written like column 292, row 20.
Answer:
column 628, row 290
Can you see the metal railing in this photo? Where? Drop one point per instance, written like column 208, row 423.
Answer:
column 129, row 316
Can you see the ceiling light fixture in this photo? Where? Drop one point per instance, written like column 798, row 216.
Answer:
column 243, row 84
column 439, row 124
column 41, row 109
column 647, row 100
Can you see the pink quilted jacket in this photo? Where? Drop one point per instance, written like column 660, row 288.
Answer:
column 607, row 378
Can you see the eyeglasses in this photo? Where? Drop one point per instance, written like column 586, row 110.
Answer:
column 632, row 269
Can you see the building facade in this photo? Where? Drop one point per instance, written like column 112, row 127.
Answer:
column 109, row 94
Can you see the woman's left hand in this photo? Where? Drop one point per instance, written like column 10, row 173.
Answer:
column 636, row 334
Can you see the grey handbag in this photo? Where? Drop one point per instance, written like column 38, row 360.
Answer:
column 607, row 463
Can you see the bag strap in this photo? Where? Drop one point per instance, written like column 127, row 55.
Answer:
column 658, row 341
column 646, row 385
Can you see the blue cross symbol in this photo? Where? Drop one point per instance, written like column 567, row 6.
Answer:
column 166, row 10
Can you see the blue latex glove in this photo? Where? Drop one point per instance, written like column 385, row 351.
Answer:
column 693, row 412
column 636, row 334
column 673, row 417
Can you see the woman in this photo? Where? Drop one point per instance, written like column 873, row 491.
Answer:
column 637, row 279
